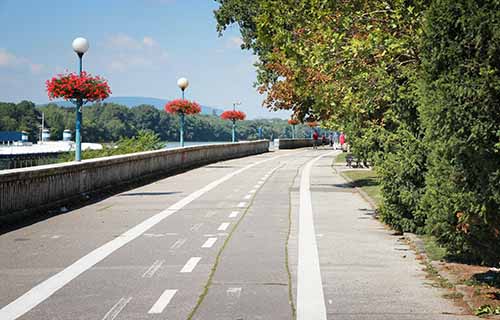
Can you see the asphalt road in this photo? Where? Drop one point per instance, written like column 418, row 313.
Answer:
column 272, row 236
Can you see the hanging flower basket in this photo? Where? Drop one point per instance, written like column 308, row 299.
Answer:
column 182, row 106
column 293, row 122
column 72, row 86
column 312, row 124
column 233, row 115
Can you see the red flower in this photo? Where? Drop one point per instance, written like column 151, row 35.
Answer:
column 71, row 86
column 182, row 106
column 293, row 121
column 233, row 115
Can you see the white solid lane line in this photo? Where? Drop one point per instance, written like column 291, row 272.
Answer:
column 310, row 297
column 152, row 270
column 190, row 265
column 242, row 204
column 223, row 226
column 209, row 243
column 117, row 308
column 234, row 214
column 45, row 289
column 162, row 301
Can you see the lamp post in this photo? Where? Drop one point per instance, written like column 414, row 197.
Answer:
column 182, row 83
column 80, row 46
column 234, row 122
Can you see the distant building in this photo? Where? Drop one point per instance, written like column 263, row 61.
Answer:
column 12, row 137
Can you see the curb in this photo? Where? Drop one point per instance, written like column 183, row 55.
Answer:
column 464, row 290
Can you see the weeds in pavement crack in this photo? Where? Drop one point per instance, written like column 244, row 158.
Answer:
column 219, row 255
column 287, row 261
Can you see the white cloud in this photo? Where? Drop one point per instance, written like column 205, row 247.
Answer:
column 36, row 68
column 148, row 41
column 123, row 41
column 9, row 60
column 126, row 52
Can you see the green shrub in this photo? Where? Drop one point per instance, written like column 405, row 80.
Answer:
column 460, row 109
column 144, row 141
column 402, row 182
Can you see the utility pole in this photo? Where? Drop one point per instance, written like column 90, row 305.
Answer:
column 42, row 127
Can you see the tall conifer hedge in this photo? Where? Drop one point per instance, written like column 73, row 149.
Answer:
column 460, row 110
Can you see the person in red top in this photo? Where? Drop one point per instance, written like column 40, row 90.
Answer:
column 342, row 140
column 315, row 139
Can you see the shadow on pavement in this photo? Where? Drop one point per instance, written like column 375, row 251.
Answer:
column 368, row 213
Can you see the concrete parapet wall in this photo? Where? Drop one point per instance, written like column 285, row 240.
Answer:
column 30, row 188
column 294, row 143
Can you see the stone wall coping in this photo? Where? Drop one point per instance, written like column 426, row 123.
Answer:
column 62, row 168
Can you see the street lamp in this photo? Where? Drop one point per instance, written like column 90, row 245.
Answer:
column 80, row 46
column 234, row 121
column 182, row 83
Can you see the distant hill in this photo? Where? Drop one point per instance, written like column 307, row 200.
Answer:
column 136, row 101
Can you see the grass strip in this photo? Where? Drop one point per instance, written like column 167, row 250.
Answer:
column 367, row 180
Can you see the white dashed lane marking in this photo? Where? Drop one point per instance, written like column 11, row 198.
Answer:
column 190, row 265
column 248, row 196
column 209, row 243
column 234, row 214
column 45, row 289
column 162, row 301
column 223, row 226
column 242, row 204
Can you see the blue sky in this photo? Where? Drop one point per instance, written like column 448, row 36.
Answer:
column 140, row 46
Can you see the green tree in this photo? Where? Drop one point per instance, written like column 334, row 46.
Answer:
column 461, row 116
column 21, row 116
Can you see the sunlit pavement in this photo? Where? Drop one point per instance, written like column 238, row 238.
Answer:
column 211, row 243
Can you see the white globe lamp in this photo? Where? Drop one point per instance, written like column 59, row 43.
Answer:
column 183, row 83
column 80, row 45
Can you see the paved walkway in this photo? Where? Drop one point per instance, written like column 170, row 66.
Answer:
column 224, row 241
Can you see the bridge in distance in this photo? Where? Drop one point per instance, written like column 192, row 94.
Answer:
column 279, row 235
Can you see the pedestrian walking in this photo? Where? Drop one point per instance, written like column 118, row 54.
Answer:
column 323, row 139
column 331, row 139
column 342, row 141
column 315, row 139
column 336, row 139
